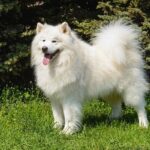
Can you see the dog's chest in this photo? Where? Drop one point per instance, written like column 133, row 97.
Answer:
column 42, row 76
column 52, row 82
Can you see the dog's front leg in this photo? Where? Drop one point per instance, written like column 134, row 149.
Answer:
column 73, row 115
column 57, row 114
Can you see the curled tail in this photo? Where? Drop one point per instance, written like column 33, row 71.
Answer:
column 118, row 43
column 117, row 40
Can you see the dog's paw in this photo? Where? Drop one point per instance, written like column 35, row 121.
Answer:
column 70, row 129
column 143, row 122
column 58, row 125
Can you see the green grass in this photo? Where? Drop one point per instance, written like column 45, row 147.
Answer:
column 26, row 124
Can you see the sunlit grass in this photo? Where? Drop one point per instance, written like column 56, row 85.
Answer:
column 26, row 124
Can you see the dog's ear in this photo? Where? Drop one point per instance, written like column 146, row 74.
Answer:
column 39, row 27
column 64, row 28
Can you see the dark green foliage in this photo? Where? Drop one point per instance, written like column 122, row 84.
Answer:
column 18, row 20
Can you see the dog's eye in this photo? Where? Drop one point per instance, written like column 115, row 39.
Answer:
column 54, row 41
column 43, row 40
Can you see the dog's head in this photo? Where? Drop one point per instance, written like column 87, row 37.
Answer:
column 50, row 41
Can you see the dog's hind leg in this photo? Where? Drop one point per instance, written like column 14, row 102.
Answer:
column 134, row 96
column 116, row 110
column 142, row 116
column 115, row 101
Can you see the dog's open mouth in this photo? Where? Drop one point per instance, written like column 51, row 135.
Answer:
column 48, row 57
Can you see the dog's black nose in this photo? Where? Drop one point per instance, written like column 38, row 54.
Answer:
column 44, row 49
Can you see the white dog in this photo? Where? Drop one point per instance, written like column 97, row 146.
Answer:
column 69, row 71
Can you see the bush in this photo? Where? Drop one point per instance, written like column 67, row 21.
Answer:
column 19, row 18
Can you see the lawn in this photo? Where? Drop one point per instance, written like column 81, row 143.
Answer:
column 26, row 124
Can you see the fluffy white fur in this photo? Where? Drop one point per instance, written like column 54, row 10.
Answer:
column 111, row 67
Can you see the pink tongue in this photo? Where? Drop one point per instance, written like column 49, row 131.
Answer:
column 46, row 60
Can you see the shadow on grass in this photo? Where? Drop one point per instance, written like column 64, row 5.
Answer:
column 93, row 120
column 127, row 118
